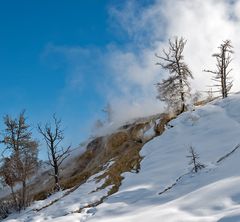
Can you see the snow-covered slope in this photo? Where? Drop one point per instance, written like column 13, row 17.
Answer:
column 213, row 194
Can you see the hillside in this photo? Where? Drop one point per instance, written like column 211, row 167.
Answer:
column 160, row 186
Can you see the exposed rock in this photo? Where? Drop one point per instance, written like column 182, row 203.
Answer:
column 117, row 139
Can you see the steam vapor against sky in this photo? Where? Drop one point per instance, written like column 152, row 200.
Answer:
column 205, row 24
column 71, row 63
column 129, row 71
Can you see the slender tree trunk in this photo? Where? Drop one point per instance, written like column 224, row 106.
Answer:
column 23, row 205
column 223, row 76
column 14, row 197
column 195, row 166
column 181, row 87
column 56, row 177
column 182, row 96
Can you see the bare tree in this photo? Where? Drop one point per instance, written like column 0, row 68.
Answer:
column 194, row 160
column 209, row 95
column 109, row 112
column 175, row 89
column 98, row 124
column 53, row 136
column 9, row 175
column 196, row 97
column 221, row 75
column 22, row 159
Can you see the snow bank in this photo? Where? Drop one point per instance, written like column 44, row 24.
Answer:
column 211, row 195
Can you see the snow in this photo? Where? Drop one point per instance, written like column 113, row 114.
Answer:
column 149, row 132
column 65, row 204
column 211, row 195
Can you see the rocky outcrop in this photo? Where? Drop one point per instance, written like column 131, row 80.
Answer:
column 121, row 148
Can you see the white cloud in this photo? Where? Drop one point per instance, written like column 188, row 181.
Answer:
column 203, row 23
column 128, row 72
column 77, row 62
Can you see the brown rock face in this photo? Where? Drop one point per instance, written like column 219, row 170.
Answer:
column 121, row 149
column 117, row 139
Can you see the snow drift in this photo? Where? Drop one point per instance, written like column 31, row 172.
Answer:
column 211, row 195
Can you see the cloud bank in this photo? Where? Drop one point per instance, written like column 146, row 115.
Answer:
column 205, row 24
column 127, row 72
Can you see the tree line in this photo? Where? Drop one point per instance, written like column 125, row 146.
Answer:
column 175, row 90
column 20, row 161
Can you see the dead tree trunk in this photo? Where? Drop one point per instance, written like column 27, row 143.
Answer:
column 221, row 75
column 53, row 136
column 194, row 160
column 23, row 194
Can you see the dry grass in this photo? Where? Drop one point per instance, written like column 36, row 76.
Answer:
column 128, row 161
column 205, row 101
column 123, row 147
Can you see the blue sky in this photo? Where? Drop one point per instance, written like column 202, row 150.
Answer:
column 72, row 57
column 37, row 76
